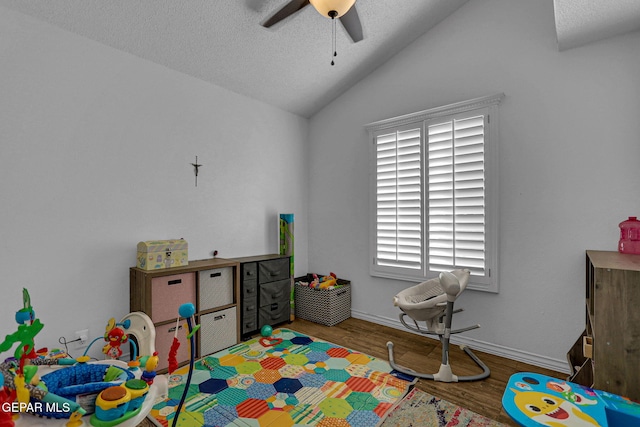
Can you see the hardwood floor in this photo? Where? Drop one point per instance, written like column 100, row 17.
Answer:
column 423, row 355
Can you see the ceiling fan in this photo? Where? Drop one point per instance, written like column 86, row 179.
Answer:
column 344, row 10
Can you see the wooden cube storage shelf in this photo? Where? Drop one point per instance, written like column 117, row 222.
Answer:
column 612, row 332
column 212, row 285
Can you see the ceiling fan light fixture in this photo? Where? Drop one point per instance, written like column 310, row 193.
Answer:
column 332, row 8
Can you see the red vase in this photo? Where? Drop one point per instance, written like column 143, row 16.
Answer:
column 629, row 236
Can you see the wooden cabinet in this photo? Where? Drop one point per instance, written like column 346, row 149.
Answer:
column 212, row 285
column 610, row 343
column 265, row 287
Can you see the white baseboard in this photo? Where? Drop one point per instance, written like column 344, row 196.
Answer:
column 487, row 347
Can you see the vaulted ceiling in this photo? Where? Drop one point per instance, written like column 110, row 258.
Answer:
column 288, row 65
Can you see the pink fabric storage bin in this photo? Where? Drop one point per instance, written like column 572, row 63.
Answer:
column 169, row 293
column 164, row 339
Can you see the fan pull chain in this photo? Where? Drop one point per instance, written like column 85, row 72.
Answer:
column 333, row 24
column 335, row 52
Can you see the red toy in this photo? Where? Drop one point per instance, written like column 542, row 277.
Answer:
column 114, row 337
column 173, row 352
column 6, row 397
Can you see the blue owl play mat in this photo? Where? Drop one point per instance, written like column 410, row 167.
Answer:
column 534, row 400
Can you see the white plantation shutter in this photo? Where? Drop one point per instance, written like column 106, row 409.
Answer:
column 398, row 199
column 456, row 192
column 434, row 193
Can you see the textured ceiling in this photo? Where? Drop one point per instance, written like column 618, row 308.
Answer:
column 579, row 22
column 287, row 65
column 222, row 41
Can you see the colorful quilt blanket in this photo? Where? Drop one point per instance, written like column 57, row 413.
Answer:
column 288, row 379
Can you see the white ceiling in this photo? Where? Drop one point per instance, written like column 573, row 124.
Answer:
column 579, row 22
column 287, row 65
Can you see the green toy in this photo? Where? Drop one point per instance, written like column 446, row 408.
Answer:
column 28, row 327
column 19, row 379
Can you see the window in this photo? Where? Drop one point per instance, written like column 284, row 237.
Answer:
column 433, row 193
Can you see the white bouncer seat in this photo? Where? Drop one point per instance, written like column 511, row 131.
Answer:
column 432, row 302
column 427, row 301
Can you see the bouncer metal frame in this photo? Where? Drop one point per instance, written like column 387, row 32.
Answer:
column 451, row 286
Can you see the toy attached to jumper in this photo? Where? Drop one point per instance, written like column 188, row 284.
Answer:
column 187, row 311
column 150, row 366
column 115, row 337
column 173, row 352
column 16, row 385
column 28, row 327
column 137, row 324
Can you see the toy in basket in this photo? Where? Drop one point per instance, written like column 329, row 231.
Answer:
column 324, row 282
column 323, row 299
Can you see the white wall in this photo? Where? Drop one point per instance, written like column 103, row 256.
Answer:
column 96, row 147
column 569, row 167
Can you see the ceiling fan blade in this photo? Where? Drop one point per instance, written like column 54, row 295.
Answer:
column 351, row 22
column 289, row 9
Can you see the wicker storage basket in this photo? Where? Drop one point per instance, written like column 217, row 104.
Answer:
column 325, row 306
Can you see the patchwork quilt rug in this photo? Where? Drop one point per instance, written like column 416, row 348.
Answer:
column 288, row 380
column 420, row 409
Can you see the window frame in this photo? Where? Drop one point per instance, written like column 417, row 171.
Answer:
column 487, row 106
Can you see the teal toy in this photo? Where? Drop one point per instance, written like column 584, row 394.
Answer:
column 266, row 331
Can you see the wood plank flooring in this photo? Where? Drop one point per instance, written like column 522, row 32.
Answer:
column 423, row 355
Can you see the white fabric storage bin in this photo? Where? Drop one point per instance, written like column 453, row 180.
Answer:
column 215, row 287
column 218, row 330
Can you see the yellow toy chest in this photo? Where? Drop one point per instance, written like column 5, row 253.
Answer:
column 159, row 254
